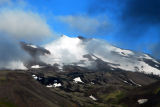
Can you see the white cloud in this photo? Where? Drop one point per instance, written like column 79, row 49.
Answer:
column 85, row 24
column 14, row 65
column 23, row 25
column 16, row 25
column 64, row 50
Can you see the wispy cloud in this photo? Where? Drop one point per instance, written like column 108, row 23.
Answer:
column 13, row 3
column 85, row 24
column 2, row 2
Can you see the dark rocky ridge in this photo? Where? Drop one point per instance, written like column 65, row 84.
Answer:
column 99, row 84
column 35, row 53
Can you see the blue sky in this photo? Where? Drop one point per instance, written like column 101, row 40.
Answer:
column 53, row 8
column 131, row 24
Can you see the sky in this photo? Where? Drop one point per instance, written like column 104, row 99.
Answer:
column 128, row 24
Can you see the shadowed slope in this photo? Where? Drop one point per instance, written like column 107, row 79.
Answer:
column 20, row 90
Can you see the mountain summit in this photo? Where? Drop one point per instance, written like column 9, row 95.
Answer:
column 97, row 54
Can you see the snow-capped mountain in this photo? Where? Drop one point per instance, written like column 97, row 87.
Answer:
column 97, row 55
column 81, row 60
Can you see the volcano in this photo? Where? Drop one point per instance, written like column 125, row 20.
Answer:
column 92, row 54
column 81, row 72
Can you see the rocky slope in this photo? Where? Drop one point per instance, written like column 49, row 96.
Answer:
column 80, row 72
column 18, row 89
column 78, row 87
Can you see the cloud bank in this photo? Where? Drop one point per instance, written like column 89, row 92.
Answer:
column 23, row 25
column 16, row 26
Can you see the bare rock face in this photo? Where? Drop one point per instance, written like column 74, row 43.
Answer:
column 35, row 52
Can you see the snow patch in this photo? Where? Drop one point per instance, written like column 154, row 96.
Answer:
column 35, row 77
column 33, row 46
column 92, row 83
column 92, row 97
column 148, row 69
column 156, row 66
column 124, row 52
column 54, row 85
column 142, row 101
column 125, row 82
column 150, row 58
column 77, row 80
column 112, row 69
column 135, row 83
column 57, row 85
column 36, row 66
column 49, row 86
column 94, row 58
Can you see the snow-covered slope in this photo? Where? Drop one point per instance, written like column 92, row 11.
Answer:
column 91, row 53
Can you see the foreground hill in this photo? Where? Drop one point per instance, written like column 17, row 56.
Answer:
column 18, row 89
column 150, row 93
column 77, row 87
